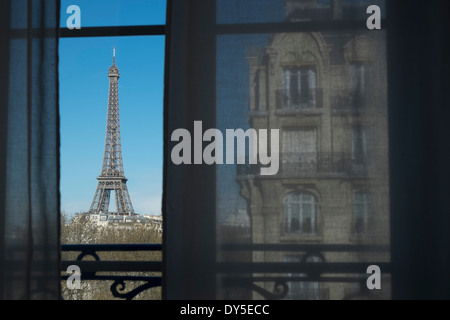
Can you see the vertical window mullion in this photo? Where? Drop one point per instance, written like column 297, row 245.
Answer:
column 288, row 88
column 312, row 87
column 366, row 209
column 299, row 88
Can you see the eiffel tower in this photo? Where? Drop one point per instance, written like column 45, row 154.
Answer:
column 112, row 176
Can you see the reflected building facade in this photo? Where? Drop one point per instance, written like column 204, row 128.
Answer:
column 327, row 94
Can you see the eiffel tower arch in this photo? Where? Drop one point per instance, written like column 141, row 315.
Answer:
column 112, row 177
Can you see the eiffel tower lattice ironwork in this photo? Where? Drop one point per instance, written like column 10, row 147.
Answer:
column 112, row 176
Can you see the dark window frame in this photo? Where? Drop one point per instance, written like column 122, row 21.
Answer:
column 412, row 190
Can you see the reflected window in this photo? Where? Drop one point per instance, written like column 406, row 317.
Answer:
column 360, row 75
column 359, row 145
column 361, row 212
column 259, row 105
column 299, row 87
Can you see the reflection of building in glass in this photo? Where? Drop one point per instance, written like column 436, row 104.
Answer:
column 326, row 93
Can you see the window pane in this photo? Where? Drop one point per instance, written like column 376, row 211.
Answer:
column 83, row 73
column 307, row 211
column 318, row 147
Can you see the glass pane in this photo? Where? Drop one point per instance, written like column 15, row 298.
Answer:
column 89, row 92
column 84, row 64
column 327, row 180
column 307, row 211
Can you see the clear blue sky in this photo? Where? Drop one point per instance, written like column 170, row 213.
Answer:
column 83, row 69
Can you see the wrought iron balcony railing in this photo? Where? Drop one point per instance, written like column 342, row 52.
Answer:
column 257, row 276
column 312, row 164
column 119, row 272
column 252, row 276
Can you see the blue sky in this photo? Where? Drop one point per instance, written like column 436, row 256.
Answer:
column 83, row 69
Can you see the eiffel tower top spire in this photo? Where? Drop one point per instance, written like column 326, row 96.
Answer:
column 113, row 70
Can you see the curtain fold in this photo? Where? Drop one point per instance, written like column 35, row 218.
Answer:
column 419, row 149
column 29, row 157
column 189, row 201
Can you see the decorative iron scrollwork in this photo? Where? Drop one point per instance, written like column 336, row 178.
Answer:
column 119, row 282
column 88, row 253
column 119, row 285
